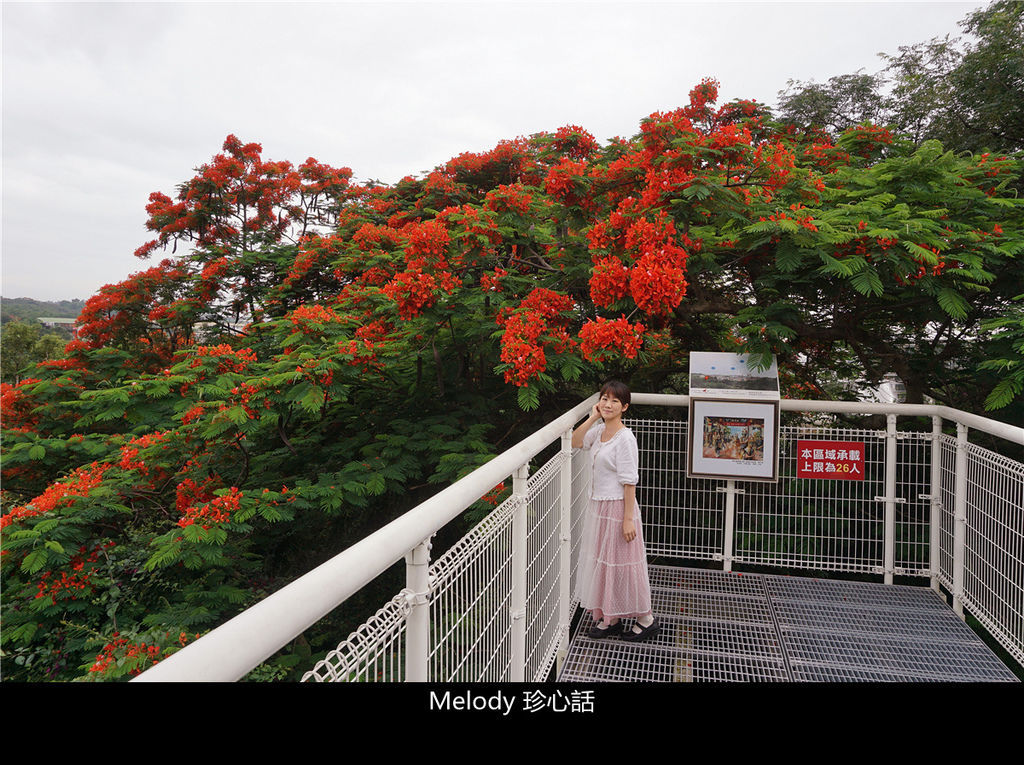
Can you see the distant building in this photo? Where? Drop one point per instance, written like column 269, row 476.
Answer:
column 51, row 321
column 891, row 390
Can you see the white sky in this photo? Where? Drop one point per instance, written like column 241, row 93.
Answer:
column 104, row 103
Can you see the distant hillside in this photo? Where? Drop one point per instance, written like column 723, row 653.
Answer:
column 28, row 310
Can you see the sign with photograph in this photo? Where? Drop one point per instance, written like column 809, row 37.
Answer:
column 730, row 375
column 734, row 418
column 733, row 439
column 830, row 460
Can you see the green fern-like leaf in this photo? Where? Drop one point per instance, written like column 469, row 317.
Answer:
column 953, row 303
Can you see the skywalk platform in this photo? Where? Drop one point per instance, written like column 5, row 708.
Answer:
column 726, row 626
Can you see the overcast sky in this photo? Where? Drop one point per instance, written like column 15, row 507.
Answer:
column 104, row 103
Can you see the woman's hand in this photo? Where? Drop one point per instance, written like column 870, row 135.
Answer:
column 581, row 431
column 628, row 530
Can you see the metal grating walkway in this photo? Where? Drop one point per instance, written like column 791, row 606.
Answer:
column 719, row 626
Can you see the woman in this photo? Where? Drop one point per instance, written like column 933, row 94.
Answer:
column 613, row 582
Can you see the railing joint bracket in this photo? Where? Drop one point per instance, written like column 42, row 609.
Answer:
column 416, row 598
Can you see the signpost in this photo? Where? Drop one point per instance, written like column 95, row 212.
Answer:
column 734, row 418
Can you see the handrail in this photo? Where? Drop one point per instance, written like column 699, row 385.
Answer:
column 231, row 650
column 1011, row 433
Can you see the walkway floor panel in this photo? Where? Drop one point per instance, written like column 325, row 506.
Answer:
column 719, row 626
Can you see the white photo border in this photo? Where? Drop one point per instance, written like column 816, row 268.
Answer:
column 765, row 470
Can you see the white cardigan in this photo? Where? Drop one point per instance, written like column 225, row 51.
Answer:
column 615, row 463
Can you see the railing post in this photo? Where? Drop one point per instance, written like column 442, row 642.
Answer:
column 564, row 548
column 935, row 499
column 960, row 519
column 518, row 607
column 889, row 522
column 730, row 492
column 417, row 635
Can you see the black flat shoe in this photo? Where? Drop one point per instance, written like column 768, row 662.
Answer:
column 597, row 633
column 645, row 632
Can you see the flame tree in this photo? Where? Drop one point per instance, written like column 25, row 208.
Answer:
column 312, row 356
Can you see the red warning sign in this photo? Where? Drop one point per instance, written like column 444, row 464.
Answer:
column 830, row 460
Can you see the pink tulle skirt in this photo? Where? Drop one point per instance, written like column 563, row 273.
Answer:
column 612, row 580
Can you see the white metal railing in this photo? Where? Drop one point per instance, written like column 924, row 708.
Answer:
column 497, row 605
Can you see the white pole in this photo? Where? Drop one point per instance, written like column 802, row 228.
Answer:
column 960, row 520
column 565, row 548
column 518, row 606
column 935, row 519
column 730, row 522
column 889, row 523
column 417, row 637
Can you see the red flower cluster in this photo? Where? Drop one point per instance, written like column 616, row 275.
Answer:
column 314, row 253
column 62, row 364
column 319, row 178
column 228, row 359
column 475, row 231
column 609, row 281
column 598, row 339
column 16, row 405
column 522, row 350
column 189, row 493
column 415, row 291
column 868, row 140
column 826, row 156
column 574, row 142
column 561, row 181
column 377, row 331
column 512, row 198
column 508, row 162
column 67, row 585
column 192, row 415
column 427, row 245
column 217, row 510
column 369, row 237
column 113, row 311
column 925, row 268
column 546, row 303
column 657, row 285
column 311, row 318
column 528, row 330
column 492, row 497
column 658, row 278
column 777, row 160
column 60, row 494
column 703, row 94
column 130, row 451
column 491, row 282
column 120, row 649
column 72, row 584
column 363, row 352
column 807, row 221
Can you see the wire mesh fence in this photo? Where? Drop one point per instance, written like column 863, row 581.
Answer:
column 543, row 568
column 993, row 581
column 373, row 653
column 797, row 522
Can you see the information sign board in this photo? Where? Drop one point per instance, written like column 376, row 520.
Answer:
column 830, row 460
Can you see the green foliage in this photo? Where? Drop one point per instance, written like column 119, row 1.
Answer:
column 236, row 414
column 1009, row 338
column 22, row 345
column 968, row 94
